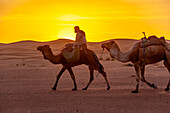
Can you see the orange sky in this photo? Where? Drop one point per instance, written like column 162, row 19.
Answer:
column 44, row 20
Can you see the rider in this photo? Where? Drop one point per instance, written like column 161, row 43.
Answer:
column 80, row 38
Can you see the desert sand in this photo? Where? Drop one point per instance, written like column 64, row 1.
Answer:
column 26, row 80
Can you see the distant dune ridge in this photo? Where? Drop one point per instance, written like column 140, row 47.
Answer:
column 25, row 52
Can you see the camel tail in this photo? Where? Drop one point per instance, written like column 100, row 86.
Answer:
column 99, row 64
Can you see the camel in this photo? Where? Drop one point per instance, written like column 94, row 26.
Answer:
column 140, row 58
column 89, row 58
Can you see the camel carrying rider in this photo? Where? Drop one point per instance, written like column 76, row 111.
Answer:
column 80, row 38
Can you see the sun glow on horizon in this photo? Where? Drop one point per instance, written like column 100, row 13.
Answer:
column 66, row 32
column 101, row 20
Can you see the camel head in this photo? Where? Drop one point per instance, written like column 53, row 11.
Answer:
column 109, row 45
column 44, row 49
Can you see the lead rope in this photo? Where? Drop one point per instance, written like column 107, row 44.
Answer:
column 100, row 58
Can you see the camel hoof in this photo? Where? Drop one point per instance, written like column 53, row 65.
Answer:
column 135, row 91
column 84, row 89
column 166, row 89
column 54, row 88
column 74, row 89
column 108, row 88
column 154, row 86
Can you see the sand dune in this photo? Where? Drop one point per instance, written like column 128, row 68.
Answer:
column 26, row 80
column 27, row 50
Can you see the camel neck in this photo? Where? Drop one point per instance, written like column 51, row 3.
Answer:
column 120, row 56
column 52, row 58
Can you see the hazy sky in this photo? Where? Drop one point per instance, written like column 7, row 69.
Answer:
column 44, row 20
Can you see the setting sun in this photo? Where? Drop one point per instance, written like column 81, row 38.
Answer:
column 66, row 32
column 101, row 20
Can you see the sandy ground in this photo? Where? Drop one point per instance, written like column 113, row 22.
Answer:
column 26, row 81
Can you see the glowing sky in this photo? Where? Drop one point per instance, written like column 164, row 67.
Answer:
column 44, row 20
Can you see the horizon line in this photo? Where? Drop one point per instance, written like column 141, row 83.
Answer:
column 38, row 41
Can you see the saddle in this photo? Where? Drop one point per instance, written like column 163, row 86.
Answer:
column 152, row 40
column 72, row 55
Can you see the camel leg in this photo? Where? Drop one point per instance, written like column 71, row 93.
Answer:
column 142, row 68
column 105, row 77
column 137, row 78
column 58, row 77
column 73, row 78
column 91, row 79
column 167, row 65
